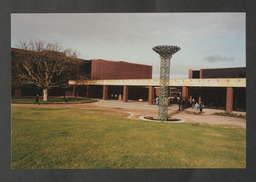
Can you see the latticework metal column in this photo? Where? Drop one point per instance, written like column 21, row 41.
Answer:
column 165, row 52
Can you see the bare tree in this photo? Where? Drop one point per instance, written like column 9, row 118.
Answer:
column 44, row 65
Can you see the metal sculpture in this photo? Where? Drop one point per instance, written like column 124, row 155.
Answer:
column 165, row 52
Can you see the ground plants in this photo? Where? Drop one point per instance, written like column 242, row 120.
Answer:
column 230, row 114
column 48, row 138
column 70, row 100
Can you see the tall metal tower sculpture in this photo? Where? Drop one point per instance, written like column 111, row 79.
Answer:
column 165, row 52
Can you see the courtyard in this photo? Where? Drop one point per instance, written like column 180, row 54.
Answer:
column 135, row 109
column 110, row 135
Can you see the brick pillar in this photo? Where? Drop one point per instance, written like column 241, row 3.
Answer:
column 17, row 92
column 201, row 74
column 200, row 96
column 74, row 90
column 229, row 100
column 120, row 96
column 200, row 91
column 157, row 91
column 68, row 93
column 185, row 95
column 190, row 73
column 87, row 91
column 105, row 92
column 151, row 95
column 125, row 94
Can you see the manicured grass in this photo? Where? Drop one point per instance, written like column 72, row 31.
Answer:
column 70, row 100
column 47, row 138
column 229, row 114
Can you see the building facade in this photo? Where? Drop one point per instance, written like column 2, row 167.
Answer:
column 220, row 88
column 216, row 97
column 95, row 69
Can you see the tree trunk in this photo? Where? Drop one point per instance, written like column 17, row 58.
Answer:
column 45, row 94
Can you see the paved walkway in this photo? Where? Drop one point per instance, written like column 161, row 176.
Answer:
column 135, row 109
column 188, row 115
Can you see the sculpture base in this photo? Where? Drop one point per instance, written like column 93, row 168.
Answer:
column 156, row 119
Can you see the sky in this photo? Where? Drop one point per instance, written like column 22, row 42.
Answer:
column 207, row 40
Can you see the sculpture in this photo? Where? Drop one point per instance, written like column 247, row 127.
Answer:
column 165, row 52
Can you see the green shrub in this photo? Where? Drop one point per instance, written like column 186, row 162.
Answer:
column 52, row 100
column 229, row 114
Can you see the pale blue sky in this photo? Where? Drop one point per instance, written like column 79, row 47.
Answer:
column 207, row 40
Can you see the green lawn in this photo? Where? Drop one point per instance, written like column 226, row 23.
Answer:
column 70, row 100
column 46, row 138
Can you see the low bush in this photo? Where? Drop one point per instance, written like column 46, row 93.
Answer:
column 53, row 100
column 230, row 114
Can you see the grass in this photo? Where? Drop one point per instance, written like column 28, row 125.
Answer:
column 48, row 138
column 53, row 100
column 230, row 114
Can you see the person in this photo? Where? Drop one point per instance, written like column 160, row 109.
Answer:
column 183, row 104
column 196, row 108
column 37, row 100
column 179, row 102
column 201, row 107
column 175, row 100
column 157, row 100
column 170, row 101
column 193, row 103
column 65, row 99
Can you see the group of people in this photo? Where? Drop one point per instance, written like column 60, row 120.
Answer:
column 181, row 103
column 199, row 106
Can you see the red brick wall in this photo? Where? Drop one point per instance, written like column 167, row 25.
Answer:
column 69, row 93
column 17, row 92
column 101, row 69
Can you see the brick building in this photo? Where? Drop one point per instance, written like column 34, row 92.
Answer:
column 216, row 97
column 98, row 69
column 221, row 88
column 95, row 69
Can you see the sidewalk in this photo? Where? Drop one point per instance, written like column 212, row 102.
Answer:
column 144, row 105
column 136, row 109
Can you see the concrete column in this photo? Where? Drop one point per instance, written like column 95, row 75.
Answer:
column 151, row 95
column 105, row 92
column 125, row 94
column 185, row 95
column 229, row 100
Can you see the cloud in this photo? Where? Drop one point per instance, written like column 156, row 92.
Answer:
column 131, row 36
column 218, row 58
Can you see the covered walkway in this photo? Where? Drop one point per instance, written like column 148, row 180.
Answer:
column 148, row 86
